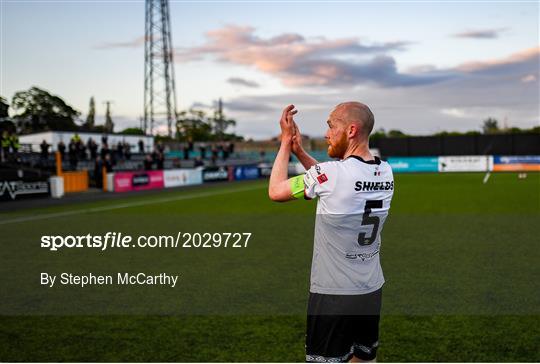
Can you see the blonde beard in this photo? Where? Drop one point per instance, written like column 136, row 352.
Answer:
column 338, row 150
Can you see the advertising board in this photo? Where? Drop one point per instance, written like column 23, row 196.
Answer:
column 516, row 163
column 182, row 177
column 265, row 169
column 466, row 163
column 15, row 189
column 137, row 181
column 212, row 174
column 414, row 164
column 246, row 172
column 17, row 184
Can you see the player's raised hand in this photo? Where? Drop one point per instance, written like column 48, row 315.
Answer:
column 286, row 124
column 297, row 140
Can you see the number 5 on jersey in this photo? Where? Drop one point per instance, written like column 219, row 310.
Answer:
column 370, row 220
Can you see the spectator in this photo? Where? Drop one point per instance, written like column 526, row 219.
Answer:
column 214, row 153
column 220, row 150
column 104, row 150
column 76, row 138
column 160, row 161
column 104, row 139
column 186, row 151
column 62, row 149
column 154, row 156
column 262, row 155
column 98, row 172
column 202, row 150
column 225, row 152
column 141, row 146
column 198, row 162
column 127, row 150
column 72, row 152
column 120, row 150
column 82, row 151
column 44, row 150
column 148, row 161
column 6, row 144
column 160, row 147
column 231, row 148
column 14, row 139
column 76, row 149
column 190, row 144
column 92, row 147
column 108, row 163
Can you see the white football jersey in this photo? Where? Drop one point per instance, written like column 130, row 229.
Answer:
column 354, row 200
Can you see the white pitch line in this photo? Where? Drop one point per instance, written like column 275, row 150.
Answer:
column 123, row 205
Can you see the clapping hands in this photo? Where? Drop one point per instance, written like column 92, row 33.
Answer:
column 290, row 134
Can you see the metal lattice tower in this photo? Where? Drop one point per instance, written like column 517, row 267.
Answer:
column 159, row 87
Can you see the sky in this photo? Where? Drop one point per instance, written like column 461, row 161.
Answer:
column 421, row 66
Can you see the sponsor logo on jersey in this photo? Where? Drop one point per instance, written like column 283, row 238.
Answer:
column 309, row 181
column 374, row 186
column 362, row 256
column 322, row 178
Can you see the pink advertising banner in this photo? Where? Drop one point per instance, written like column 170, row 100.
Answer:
column 136, row 181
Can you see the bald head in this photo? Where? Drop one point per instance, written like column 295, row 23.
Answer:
column 356, row 112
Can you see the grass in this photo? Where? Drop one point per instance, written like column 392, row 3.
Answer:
column 460, row 259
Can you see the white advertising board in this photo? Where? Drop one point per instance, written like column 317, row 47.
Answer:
column 466, row 163
column 182, row 177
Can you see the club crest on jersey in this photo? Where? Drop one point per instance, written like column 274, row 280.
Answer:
column 318, row 168
column 322, row 178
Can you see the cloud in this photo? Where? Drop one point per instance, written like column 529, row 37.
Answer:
column 481, row 33
column 200, row 105
column 242, row 82
column 455, row 112
column 529, row 78
column 135, row 43
column 505, row 87
column 248, row 106
column 299, row 61
column 528, row 58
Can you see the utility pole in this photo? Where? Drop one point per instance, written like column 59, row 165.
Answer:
column 159, row 84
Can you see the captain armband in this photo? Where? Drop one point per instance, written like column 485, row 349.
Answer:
column 297, row 186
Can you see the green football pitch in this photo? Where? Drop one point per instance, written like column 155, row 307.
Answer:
column 461, row 261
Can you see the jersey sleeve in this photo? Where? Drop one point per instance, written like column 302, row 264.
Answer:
column 317, row 180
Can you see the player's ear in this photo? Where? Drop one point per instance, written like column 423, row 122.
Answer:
column 352, row 130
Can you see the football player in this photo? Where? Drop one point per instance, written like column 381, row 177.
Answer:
column 353, row 196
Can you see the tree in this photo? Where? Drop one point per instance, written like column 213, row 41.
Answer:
column 378, row 134
column 109, row 125
column 396, row 134
column 132, row 131
column 4, row 106
column 90, row 119
column 5, row 122
column 193, row 125
column 490, row 126
column 38, row 110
